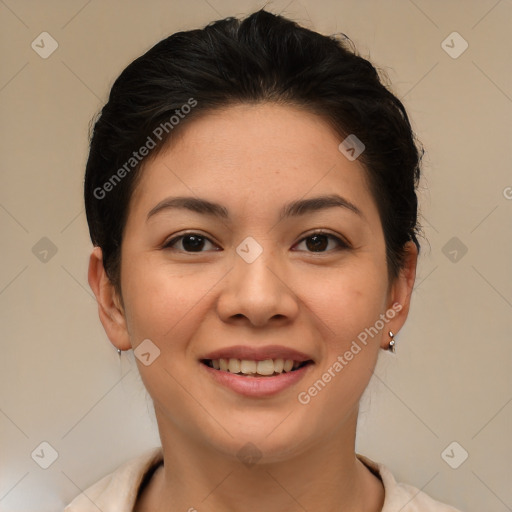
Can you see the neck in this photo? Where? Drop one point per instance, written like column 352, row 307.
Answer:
column 324, row 476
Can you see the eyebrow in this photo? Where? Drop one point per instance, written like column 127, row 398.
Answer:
column 293, row 209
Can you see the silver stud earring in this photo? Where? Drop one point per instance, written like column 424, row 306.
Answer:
column 391, row 346
column 119, row 352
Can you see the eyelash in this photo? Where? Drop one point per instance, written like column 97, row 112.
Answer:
column 341, row 243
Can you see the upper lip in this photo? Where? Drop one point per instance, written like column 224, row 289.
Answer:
column 258, row 353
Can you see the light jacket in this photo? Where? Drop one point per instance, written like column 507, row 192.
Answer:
column 117, row 492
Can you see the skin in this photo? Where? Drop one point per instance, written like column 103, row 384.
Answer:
column 253, row 159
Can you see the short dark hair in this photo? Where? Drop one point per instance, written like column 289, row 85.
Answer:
column 262, row 58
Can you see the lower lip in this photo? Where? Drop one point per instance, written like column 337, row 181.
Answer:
column 257, row 387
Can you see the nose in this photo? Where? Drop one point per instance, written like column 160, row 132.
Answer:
column 258, row 293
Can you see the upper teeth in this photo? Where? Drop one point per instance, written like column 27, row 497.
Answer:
column 246, row 366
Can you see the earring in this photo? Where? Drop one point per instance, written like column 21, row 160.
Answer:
column 391, row 346
column 119, row 352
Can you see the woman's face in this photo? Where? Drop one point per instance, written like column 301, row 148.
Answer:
column 254, row 284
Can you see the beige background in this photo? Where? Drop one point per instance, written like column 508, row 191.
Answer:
column 60, row 378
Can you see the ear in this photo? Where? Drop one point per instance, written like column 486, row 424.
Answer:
column 400, row 293
column 110, row 310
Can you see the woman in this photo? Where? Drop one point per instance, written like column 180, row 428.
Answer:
column 251, row 196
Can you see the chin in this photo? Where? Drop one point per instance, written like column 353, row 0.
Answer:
column 263, row 437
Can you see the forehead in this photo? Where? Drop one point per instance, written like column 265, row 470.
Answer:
column 254, row 158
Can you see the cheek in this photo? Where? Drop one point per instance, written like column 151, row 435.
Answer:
column 348, row 301
column 349, row 305
column 350, row 347
column 162, row 301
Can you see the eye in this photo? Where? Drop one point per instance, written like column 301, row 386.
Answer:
column 191, row 242
column 195, row 242
column 320, row 240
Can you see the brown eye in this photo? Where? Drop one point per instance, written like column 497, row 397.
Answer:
column 191, row 242
column 318, row 242
column 195, row 242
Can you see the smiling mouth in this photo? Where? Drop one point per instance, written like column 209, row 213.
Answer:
column 252, row 368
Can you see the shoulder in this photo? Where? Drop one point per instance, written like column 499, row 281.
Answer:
column 117, row 490
column 400, row 496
